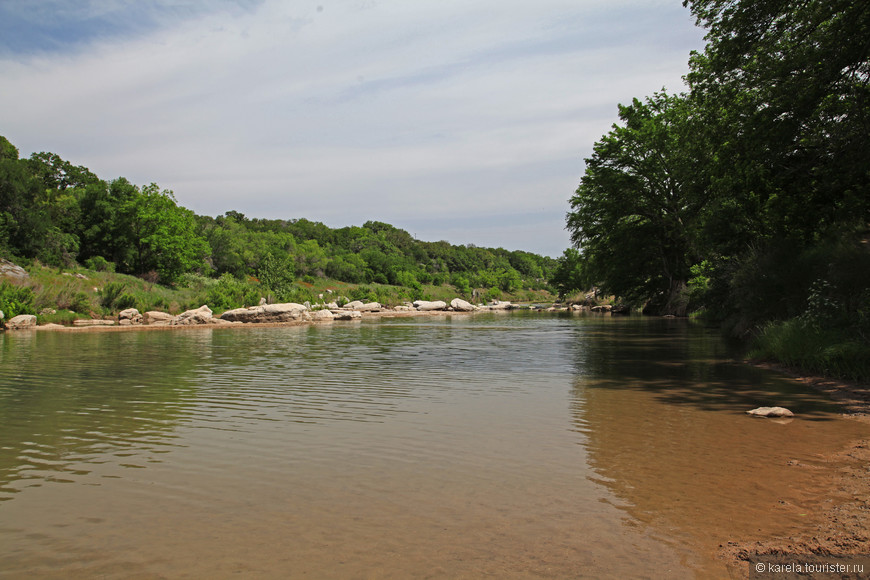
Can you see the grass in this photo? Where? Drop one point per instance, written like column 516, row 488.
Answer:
column 85, row 293
column 813, row 349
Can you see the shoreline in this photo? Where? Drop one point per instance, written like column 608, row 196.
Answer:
column 843, row 529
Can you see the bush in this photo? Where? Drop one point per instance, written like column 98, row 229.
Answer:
column 229, row 292
column 110, row 293
column 80, row 303
column 99, row 264
column 15, row 300
column 800, row 344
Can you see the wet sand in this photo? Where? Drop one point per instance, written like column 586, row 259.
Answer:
column 842, row 528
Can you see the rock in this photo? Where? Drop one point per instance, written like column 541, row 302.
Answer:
column 355, row 305
column 10, row 270
column 85, row 322
column 602, row 308
column 322, row 316
column 47, row 312
column 370, row 307
column 156, row 317
column 50, row 326
column 620, row 309
column 332, row 306
column 2, row 316
column 269, row 313
column 499, row 305
column 129, row 314
column 461, row 305
column 21, row 322
column 426, row 305
column 770, row 412
column 347, row 314
column 404, row 308
column 201, row 315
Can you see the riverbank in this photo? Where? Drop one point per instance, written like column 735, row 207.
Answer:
column 843, row 528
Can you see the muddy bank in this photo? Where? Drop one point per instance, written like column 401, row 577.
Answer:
column 842, row 526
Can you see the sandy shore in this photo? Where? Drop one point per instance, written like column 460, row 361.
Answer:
column 843, row 529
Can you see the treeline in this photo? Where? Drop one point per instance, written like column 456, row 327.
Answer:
column 747, row 196
column 62, row 215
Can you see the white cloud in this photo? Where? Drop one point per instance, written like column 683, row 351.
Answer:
column 347, row 111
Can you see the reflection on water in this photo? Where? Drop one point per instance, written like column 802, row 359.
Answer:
column 504, row 445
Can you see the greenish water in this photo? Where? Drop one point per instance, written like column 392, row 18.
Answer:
column 504, row 445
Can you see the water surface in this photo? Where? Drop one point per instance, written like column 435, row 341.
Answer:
column 486, row 446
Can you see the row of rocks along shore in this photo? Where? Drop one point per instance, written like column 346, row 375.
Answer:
column 289, row 312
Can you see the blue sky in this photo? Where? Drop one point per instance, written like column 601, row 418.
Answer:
column 463, row 121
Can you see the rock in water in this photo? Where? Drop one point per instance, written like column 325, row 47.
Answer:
column 770, row 412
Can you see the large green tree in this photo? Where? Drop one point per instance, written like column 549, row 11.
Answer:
column 635, row 215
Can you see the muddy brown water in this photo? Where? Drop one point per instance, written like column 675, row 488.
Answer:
column 504, row 446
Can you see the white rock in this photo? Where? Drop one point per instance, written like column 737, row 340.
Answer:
column 156, row 317
column 201, row 315
column 461, row 305
column 322, row 316
column 347, row 314
column 770, row 412
column 128, row 314
column 21, row 322
column 427, row 305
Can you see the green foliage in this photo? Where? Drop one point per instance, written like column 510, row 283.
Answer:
column 80, row 303
column 110, row 294
column 810, row 348
column 99, row 264
column 229, row 292
column 569, row 276
column 15, row 300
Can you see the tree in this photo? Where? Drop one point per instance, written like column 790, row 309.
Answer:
column 634, row 215
column 164, row 235
column 785, row 91
column 569, row 275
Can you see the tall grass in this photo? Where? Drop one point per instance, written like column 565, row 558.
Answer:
column 799, row 344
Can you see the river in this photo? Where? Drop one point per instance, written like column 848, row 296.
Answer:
column 494, row 445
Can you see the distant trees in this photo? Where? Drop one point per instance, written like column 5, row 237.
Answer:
column 62, row 214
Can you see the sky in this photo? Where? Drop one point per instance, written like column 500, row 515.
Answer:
column 466, row 121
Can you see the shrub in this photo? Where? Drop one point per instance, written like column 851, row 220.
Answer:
column 110, row 293
column 15, row 300
column 99, row 264
column 80, row 303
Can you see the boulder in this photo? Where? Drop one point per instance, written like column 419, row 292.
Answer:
column 461, row 305
column 355, row 305
column 21, row 322
column 157, row 318
column 427, row 305
column 370, row 307
column 770, row 412
column 347, row 314
column 284, row 312
column 129, row 313
column 499, row 305
column 322, row 316
column 50, row 326
column 10, row 270
column 85, row 322
column 403, row 308
column 201, row 315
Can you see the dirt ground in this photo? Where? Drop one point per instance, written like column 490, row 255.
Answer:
column 845, row 526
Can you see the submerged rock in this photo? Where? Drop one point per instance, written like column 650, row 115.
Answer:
column 770, row 412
